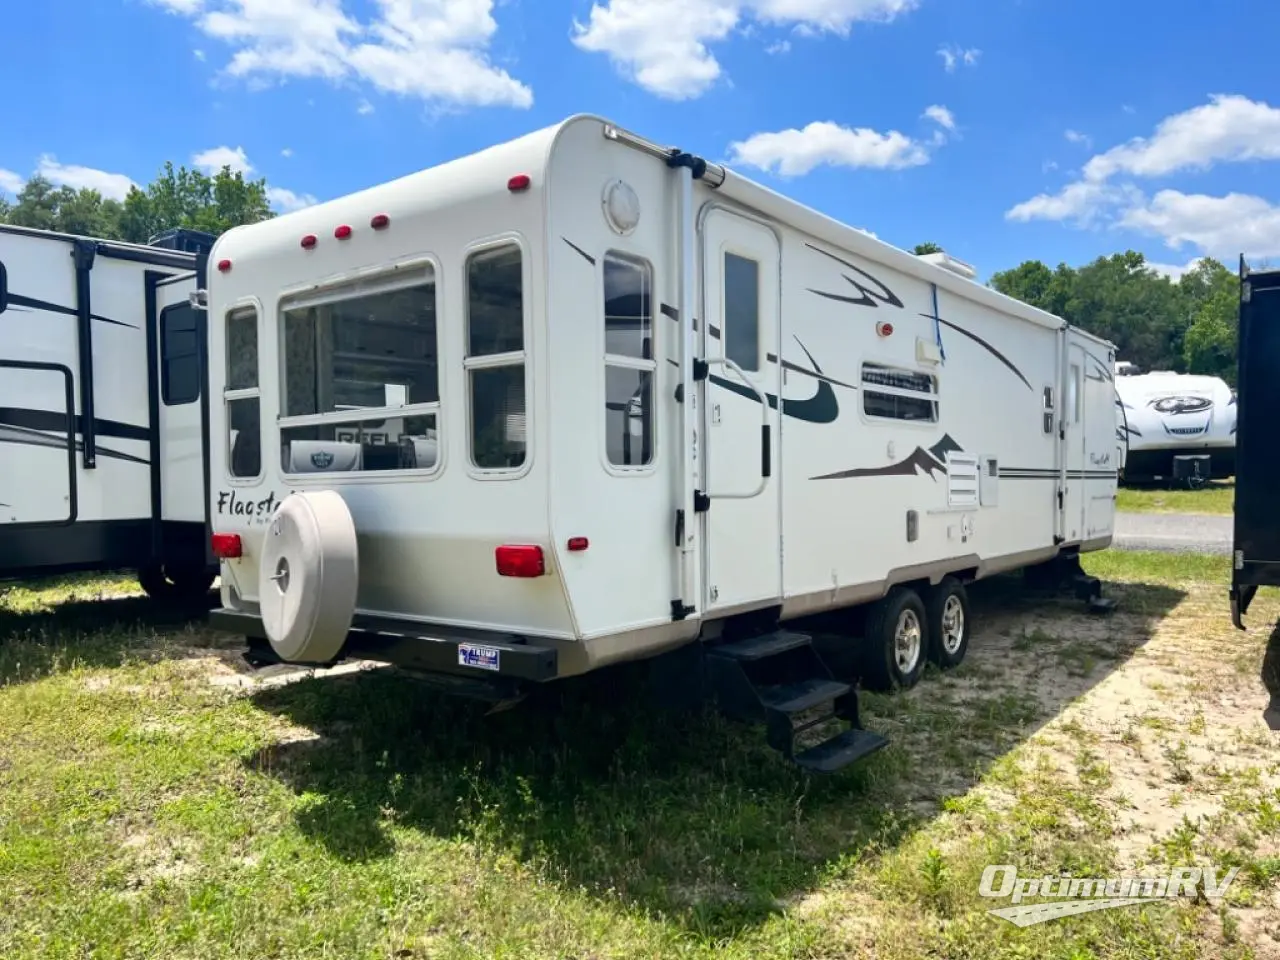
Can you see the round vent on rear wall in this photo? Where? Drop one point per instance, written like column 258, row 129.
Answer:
column 621, row 206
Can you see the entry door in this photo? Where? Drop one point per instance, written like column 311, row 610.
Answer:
column 743, row 557
column 181, row 348
column 1075, row 439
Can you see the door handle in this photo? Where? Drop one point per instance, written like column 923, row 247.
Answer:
column 766, row 446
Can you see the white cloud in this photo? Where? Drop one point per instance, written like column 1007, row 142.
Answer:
column 213, row 160
column 778, row 46
column 1075, row 136
column 286, row 152
column 185, row 7
column 10, row 182
column 365, row 108
column 1230, row 128
column 435, row 50
column 1172, row 270
column 792, row 153
column 941, row 116
column 1082, row 201
column 1049, row 166
column 663, row 45
column 953, row 57
column 113, row 186
column 1226, row 226
column 1227, row 129
column 198, row 54
column 287, row 201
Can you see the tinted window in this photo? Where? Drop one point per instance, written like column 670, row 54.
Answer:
column 179, row 355
column 242, row 349
column 896, row 394
column 495, row 329
column 742, row 311
column 495, row 302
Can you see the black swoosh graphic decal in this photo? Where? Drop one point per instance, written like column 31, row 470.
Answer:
column 868, row 297
column 34, row 438
column 822, row 407
column 51, row 422
column 985, row 346
column 586, row 256
column 58, row 308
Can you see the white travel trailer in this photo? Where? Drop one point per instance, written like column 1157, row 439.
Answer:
column 102, row 412
column 1176, row 427
column 580, row 398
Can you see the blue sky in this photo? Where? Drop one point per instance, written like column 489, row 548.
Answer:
column 1002, row 129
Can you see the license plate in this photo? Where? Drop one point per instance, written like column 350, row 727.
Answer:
column 474, row 655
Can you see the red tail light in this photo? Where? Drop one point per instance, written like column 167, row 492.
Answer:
column 226, row 546
column 380, row 221
column 520, row 560
column 519, row 182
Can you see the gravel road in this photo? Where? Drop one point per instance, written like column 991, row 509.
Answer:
column 1175, row 532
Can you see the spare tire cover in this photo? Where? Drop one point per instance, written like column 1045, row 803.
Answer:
column 308, row 576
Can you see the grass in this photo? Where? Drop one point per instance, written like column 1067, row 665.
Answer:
column 148, row 807
column 1218, row 497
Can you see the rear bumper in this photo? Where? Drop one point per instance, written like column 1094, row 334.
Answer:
column 1157, row 464
column 475, row 655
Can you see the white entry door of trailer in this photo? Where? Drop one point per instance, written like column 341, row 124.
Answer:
column 182, row 333
column 741, row 264
column 1076, row 441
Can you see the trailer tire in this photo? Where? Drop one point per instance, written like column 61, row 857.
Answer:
column 896, row 641
column 948, row 619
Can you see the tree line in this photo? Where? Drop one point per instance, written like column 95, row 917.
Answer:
column 175, row 198
column 1187, row 325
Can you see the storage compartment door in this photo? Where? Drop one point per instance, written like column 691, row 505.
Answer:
column 37, row 444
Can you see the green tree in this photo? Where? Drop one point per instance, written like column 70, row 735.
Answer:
column 190, row 199
column 36, row 205
column 1212, row 296
column 928, row 247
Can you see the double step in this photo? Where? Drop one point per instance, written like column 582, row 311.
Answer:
column 779, row 679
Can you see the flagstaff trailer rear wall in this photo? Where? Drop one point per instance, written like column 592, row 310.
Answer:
column 584, row 399
column 101, row 439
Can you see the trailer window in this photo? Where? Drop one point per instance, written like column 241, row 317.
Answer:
column 891, row 393
column 629, row 366
column 179, row 355
column 361, row 376
column 495, row 358
column 741, row 331
column 243, row 402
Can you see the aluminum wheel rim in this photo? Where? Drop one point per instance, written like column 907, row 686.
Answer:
column 952, row 624
column 906, row 642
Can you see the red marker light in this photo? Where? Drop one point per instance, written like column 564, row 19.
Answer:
column 342, row 232
column 226, row 546
column 380, row 222
column 577, row 544
column 519, row 182
column 309, row 241
column 884, row 329
column 224, row 266
column 520, row 560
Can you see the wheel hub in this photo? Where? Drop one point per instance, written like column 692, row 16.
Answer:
column 953, row 625
column 907, row 642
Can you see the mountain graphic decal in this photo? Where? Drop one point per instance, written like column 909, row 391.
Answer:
column 931, row 461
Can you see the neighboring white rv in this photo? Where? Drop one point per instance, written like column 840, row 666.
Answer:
column 1177, row 427
column 579, row 399
column 102, row 460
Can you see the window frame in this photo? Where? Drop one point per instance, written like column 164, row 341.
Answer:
column 491, row 361
column 864, row 388
column 382, row 278
column 623, row 361
column 165, row 379
column 230, row 395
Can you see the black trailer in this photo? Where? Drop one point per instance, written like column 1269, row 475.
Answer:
column 1256, row 553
